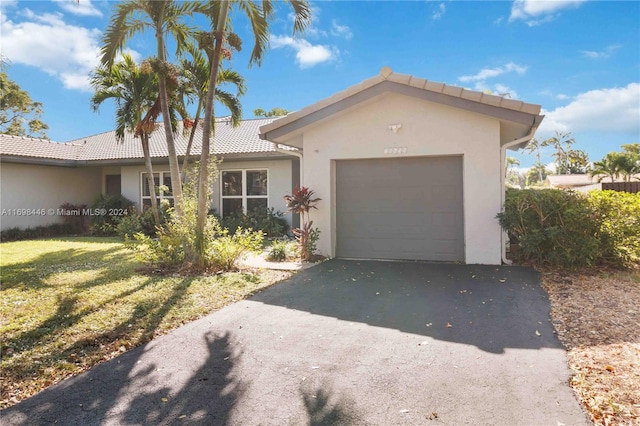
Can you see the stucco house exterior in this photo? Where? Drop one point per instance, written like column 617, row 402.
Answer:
column 407, row 169
column 39, row 174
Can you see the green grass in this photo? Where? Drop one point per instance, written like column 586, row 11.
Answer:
column 68, row 304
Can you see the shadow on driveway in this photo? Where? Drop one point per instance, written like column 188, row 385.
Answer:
column 345, row 342
column 490, row 307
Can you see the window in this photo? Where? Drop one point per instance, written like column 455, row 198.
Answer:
column 244, row 190
column 165, row 178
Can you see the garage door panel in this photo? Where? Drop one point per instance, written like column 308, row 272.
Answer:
column 409, row 208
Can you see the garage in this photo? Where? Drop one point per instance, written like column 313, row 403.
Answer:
column 407, row 168
column 400, row 208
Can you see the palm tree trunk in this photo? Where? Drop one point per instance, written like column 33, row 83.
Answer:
column 150, row 180
column 185, row 162
column 174, row 166
column 203, row 193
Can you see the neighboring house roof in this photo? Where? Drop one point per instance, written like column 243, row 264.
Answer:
column 569, row 181
column 228, row 141
column 521, row 113
column 575, row 181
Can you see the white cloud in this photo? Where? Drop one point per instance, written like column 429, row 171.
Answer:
column 602, row 54
column 502, row 90
column 307, row 54
column 481, row 84
column 562, row 96
column 439, row 12
column 45, row 41
column 537, row 12
column 5, row 4
column 487, row 73
column 340, row 30
column 82, row 7
column 607, row 110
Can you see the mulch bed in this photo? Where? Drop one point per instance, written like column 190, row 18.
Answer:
column 597, row 317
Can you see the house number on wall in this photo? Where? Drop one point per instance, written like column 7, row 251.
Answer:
column 396, row 150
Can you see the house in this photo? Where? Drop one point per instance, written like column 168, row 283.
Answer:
column 406, row 168
column 39, row 174
column 581, row 182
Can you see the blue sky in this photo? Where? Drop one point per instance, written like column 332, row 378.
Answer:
column 579, row 59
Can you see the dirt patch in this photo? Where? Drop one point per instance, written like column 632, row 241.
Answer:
column 597, row 317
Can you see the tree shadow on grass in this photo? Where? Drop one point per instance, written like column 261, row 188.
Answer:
column 33, row 274
column 143, row 387
column 139, row 328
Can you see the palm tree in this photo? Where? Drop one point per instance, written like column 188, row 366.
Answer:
column 195, row 72
column 534, row 146
column 609, row 166
column 259, row 15
column 134, row 92
column 132, row 17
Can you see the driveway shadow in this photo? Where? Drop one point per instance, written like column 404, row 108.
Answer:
column 490, row 307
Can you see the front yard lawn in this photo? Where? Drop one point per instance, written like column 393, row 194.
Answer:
column 69, row 304
column 597, row 317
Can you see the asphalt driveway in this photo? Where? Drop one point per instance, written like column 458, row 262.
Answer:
column 345, row 342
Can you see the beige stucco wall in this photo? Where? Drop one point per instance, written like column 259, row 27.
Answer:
column 428, row 129
column 279, row 180
column 24, row 186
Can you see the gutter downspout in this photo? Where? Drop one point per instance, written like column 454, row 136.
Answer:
column 503, row 159
column 295, row 154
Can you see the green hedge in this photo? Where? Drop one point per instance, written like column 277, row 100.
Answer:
column 571, row 229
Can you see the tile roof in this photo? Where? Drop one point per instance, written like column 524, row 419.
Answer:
column 228, row 140
column 22, row 146
column 386, row 74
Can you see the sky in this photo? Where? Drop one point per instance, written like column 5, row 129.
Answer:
column 579, row 59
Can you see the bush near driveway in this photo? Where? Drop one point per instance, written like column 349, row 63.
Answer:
column 68, row 304
column 570, row 229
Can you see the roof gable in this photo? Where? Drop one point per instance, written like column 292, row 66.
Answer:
column 518, row 112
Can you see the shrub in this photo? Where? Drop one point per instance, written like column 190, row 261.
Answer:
column 226, row 249
column 281, row 250
column 19, row 234
column 618, row 214
column 301, row 201
column 142, row 222
column 570, row 229
column 115, row 208
column 269, row 221
column 73, row 216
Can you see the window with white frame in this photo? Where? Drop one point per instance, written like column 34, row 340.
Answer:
column 244, row 190
column 165, row 178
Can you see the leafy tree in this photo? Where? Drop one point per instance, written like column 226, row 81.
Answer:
column 531, row 147
column 537, row 174
column 19, row 114
column 615, row 164
column 568, row 160
column 164, row 18
column 608, row 167
column 259, row 15
column 195, row 72
column 275, row 112
column 632, row 163
column 134, row 91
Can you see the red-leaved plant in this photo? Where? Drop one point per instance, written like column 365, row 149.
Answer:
column 300, row 202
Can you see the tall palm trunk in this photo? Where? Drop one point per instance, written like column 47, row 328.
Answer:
column 150, row 181
column 185, row 162
column 203, row 193
column 174, row 166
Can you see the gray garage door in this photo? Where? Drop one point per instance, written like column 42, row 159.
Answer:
column 404, row 208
